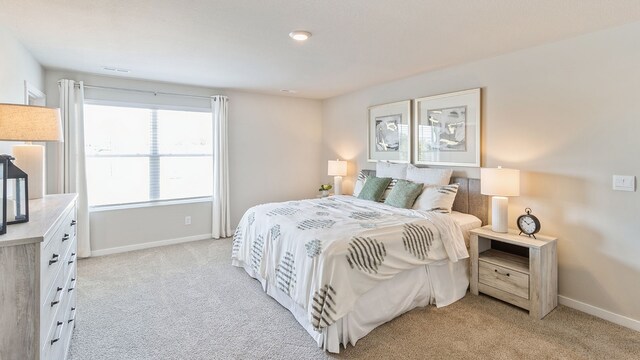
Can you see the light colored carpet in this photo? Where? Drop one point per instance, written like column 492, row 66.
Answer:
column 187, row 302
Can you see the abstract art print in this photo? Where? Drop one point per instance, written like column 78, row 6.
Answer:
column 390, row 132
column 446, row 129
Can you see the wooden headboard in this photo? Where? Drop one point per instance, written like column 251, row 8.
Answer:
column 468, row 200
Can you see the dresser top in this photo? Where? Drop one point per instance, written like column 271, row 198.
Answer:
column 43, row 214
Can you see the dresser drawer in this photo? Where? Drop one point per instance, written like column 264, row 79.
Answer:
column 53, row 302
column 52, row 347
column 67, row 232
column 55, row 248
column 502, row 278
column 70, row 323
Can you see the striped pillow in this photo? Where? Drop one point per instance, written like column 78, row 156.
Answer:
column 437, row 198
column 359, row 183
column 387, row 191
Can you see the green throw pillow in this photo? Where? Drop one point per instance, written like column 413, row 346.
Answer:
column 404, row 194
column 374, row 188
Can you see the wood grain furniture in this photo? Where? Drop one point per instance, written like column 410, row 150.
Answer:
column 38, row 280
column 520, row 270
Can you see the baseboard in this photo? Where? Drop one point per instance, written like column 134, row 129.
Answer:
column 601, row 313
column 147, row 245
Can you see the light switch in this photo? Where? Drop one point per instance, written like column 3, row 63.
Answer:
column 624, row 182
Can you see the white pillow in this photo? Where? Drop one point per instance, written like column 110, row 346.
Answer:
column 428, row 176
column 390, row 170
column 437, row 198
column 357, row 187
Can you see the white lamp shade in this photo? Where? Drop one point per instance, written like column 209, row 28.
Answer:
column 337, row 168
column 29, row 123
column 500, row 182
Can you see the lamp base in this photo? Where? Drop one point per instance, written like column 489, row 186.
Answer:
column 30, row 159
column 499, row 214
column 337, row 185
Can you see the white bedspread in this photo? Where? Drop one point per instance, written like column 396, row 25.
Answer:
column 325, row 253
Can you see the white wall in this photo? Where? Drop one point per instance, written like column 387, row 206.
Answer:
column 567, row 114
column 16, row 66
column 274, row 147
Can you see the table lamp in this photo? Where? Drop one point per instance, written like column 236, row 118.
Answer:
column 337, row 169
column 30, row 123
column 499, row 183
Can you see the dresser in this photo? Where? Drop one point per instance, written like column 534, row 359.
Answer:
column 38, row 280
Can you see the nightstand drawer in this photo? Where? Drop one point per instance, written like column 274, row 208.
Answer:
column 511, row 281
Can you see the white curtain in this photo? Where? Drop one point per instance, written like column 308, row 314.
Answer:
column 74, row 173
column 221, row 221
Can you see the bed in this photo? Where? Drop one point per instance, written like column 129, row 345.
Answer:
column 343, row 266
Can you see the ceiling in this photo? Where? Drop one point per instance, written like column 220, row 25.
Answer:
column 244, row 44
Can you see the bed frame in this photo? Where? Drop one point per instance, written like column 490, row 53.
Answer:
column 469, row 200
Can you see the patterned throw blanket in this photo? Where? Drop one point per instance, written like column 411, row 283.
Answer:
column 325, row 253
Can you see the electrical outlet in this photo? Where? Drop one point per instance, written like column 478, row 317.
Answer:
column 187, row 220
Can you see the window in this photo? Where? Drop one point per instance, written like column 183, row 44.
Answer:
column 138, row 154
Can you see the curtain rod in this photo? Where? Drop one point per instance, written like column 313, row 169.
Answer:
column 155, row 93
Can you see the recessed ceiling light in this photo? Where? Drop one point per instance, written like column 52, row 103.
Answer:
column 288, row 91
column 120, row 70
column 300, row 35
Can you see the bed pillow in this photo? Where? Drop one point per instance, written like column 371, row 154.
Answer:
column 374, row 188
column 357, row 187
column 404, row 194
column 438, row 198
column 428, row 176
column 391, row 170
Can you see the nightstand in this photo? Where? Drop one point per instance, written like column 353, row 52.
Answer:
column 517, row 269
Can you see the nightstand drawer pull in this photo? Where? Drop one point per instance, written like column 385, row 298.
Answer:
column 54, row 259
column 73, row 222
column 72, row 259
column 496, row 270
column 65, row 237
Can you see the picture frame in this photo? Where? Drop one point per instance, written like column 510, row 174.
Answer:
column 446, row 129
column 389, row 132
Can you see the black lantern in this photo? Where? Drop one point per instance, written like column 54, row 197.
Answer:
column 15, row 202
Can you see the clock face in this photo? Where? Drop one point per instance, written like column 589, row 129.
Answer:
column 527, row 225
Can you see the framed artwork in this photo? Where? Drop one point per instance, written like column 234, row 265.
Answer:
column 447, row 129
column 390, row 132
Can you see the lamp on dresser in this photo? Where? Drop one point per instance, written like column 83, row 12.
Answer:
column 337, row 169
column 30, row 123
column 499, row 183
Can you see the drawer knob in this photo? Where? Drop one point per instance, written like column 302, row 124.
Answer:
column 496, row 270
column 65, row 237
column 54, row 259
column 73, row 222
